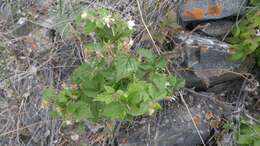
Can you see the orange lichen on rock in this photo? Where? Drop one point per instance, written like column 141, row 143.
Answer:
column 215, row 10
column 196, row 13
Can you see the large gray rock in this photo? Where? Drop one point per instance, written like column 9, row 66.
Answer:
column 207, row 61
column 174, row 127
column 200, row 10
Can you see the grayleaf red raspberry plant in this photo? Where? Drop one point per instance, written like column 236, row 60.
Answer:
column 113, row 83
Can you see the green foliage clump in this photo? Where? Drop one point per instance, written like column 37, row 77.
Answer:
column 113, row 84
column 245, row 39
column 249, row 134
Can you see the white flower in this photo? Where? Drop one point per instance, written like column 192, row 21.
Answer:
column 68, row 122
column 84, row 15
column 257, row 32
column 131, row 42
column 167, row 84
column 151, row 111
column 131, row 24
column 58, row 109
column 108, row 20
column 22, row 20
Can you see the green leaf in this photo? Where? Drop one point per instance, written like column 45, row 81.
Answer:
column 255, row 2
column 83, row 111
column 257, row 142
column 62, row 99
column 234, row 40
column 72, row 107
column 66, row 93
column 176, row 83
column 103, row 12
column 78, row 20
column 238, row 55
column 246, row 34
column 48, row 93
column 100, row 24
column 125, row 66
column 89, row 27
column 147, row 67
column 105, row 97
column 110, row 95
column 245, row 139
column 92, row 87
column 104, row 34
column 115, row 111
column 252, row 46
column 109, row 89
column 81, row 73
column 94, row 47
column 146, row 53
column 160, row 63
column 138, row 111
column 153, row 91
column 137, row 92
column 237, row 32
column 160, row 82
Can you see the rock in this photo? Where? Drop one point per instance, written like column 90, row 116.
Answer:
column 217, row 28
column 199, row 10
column 206, row 61
column 37, row 40
column 174, row 125
column 43, row 39
column 24, row 27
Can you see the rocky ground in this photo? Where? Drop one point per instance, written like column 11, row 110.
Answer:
column 40, row 47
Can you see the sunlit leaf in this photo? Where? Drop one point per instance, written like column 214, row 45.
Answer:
column 89, row 27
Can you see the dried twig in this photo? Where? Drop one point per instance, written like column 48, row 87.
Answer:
column 22, row 128
column 158, row 51
column 194, row 123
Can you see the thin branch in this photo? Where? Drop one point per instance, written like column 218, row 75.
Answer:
column 151, row 37
column 22, row 128
column 197, row 129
